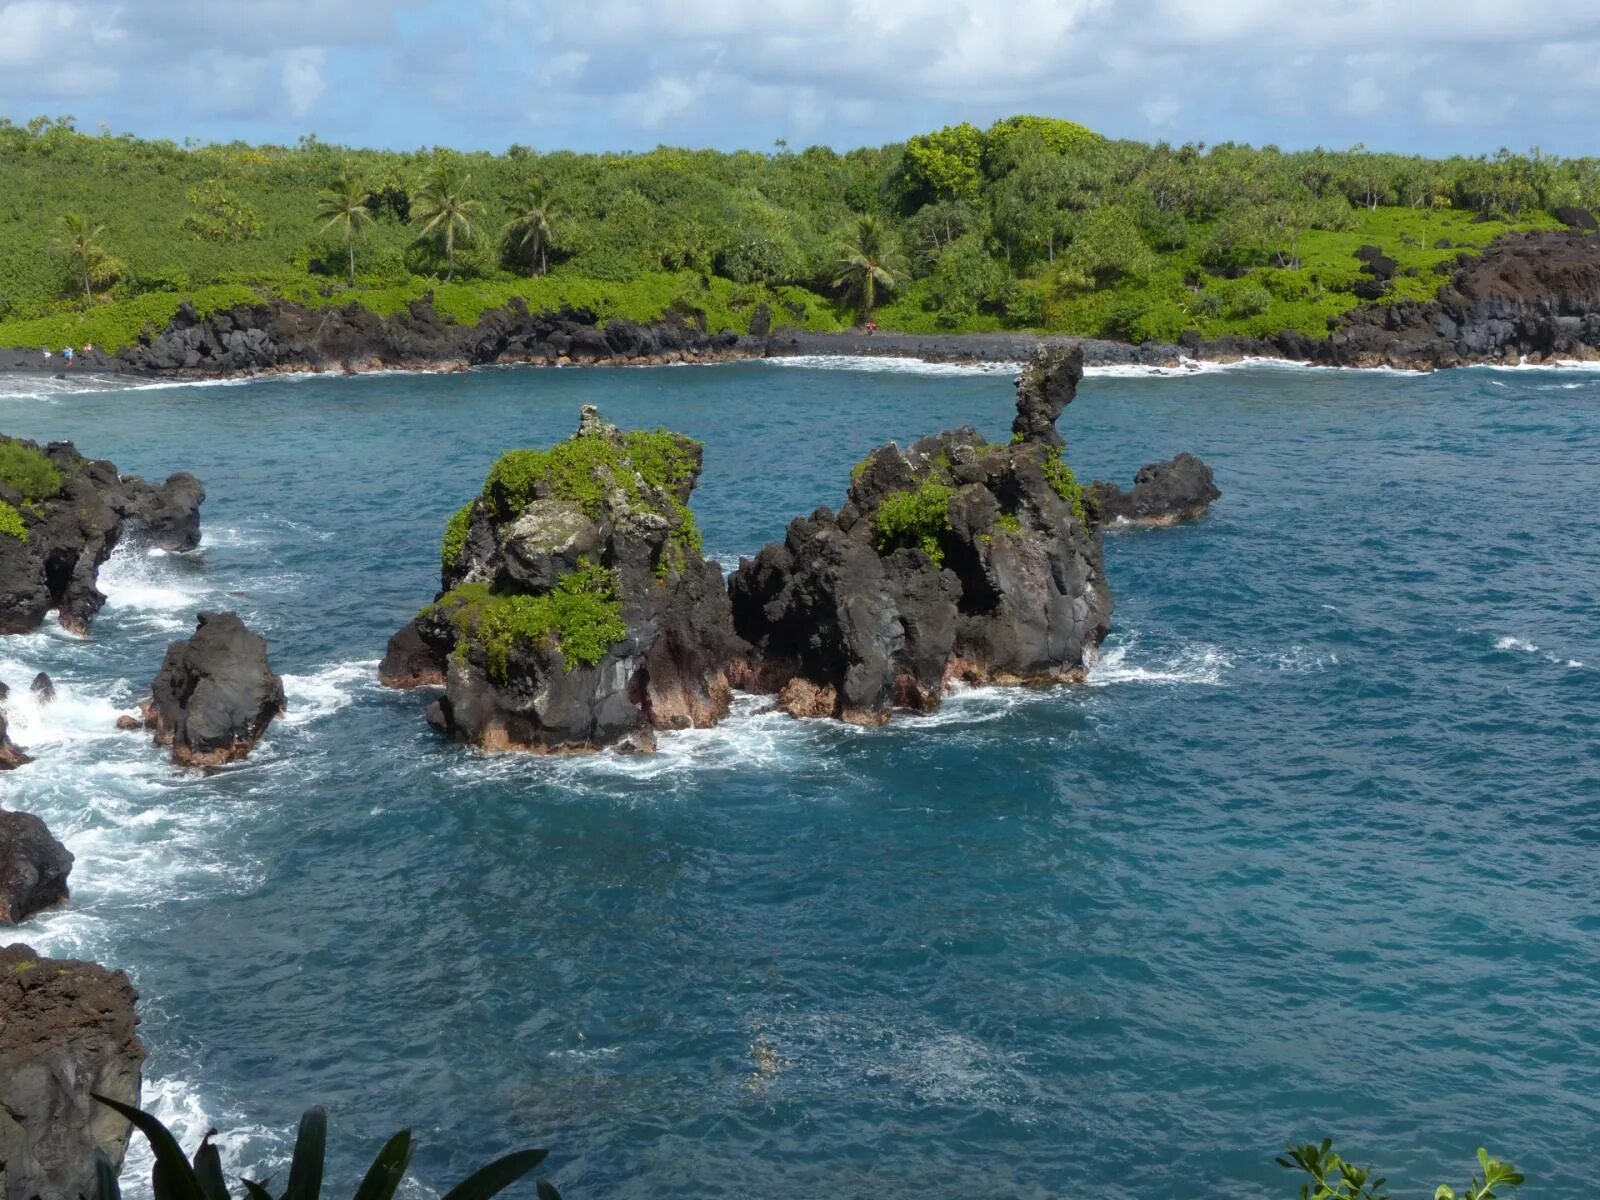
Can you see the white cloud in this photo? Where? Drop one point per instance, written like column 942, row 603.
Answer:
column 626, row 73
column 302, row 79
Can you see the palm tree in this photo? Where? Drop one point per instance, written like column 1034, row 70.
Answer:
column 345, row 203
column 870, row 264
column 444, row 210
column 532, row 226
column 77, row 237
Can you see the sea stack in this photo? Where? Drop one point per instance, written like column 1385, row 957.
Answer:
column 67, row 1029
column 61, row 515
column 955, row 560
column 33, row 868
column 215, row 694
column 1163, row 493
column 576, row 609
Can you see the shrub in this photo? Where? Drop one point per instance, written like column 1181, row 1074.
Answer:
column 1251, row 302
column 11, row 522
column 201, row 1178
column 28, row 472
column 582, row 612
column 1065, row 484
column 1008, row 523
column 455, row 535
column 1332, row 1178
column 915, row 518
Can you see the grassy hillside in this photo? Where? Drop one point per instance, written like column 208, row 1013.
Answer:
column 1033, row 223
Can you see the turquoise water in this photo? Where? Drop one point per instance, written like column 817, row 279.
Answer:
column 1315, row 852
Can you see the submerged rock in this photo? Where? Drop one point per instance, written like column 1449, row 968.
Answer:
column 1163, row 493
column 215, row 694
column 61, row 515
column 67, row 1029
column 11, row 755
column 43, row 688
column 956, row 560
column 576, row 609
column 33, row 867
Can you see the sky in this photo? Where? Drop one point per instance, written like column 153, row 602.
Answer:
column 1428, row 76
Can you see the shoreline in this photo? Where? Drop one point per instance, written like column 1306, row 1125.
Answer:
column 956, row 349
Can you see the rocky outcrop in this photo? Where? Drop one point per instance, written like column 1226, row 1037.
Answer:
column 954, row 560
column 215, row 694
column 61, row 515
column 33, row 867
column 282, row 336
column 1533, row 295
column 576, row 610
column 11, row 755
column 1163, row 494
column 67, row 1029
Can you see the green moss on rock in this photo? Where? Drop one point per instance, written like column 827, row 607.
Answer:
column 582, row 612
column 585, row 468
column 1065, row 484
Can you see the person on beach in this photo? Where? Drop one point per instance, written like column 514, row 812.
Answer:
column 67, row 354
column 47, row 354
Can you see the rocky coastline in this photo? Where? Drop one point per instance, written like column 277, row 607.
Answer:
column 1531, row 297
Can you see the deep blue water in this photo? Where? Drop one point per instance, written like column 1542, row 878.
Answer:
column 1316, row 853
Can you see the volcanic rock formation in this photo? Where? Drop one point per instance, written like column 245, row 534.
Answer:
column 66, row 1029
column 576, row 609
column 215, row 694
column 33, row 867
column 61, row 515
column 955, row 560
column 1163, row 494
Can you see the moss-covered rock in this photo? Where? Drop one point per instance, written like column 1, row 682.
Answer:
column 576, row 609
column 953, row 560
column 60, row 517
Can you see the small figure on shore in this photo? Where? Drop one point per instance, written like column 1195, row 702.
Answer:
column 47, row 354
column 67, row 354
column 88, row 347
column 872, row 327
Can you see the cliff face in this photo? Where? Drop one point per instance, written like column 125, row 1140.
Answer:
column 66, row 1029
column 955, row 560
column 576, row 609
column 282, row 335
column 1535, row 295
column 61, row 515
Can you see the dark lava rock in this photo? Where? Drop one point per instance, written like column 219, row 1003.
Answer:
column 1533, row 295
column 215, row 694
column 1163, row 493
column 955, row 560
column 33, row 867
column 576, row 609
column 1574, row 217
column 72, row 513
column 43, row 688
column 282, row 336
column 67, row 1029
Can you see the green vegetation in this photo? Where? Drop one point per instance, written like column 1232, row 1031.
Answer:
column 177, row 1177
column 582, row 612
column 1065, row 484
column 915, row 518
column 27, row 471
column 584, row 469
column 455, row 535
column 1034, row 223
column 11, row 523
column 1008, row 523
column 1332, row 1178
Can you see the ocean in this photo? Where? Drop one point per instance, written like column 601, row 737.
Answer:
column 1313, row 853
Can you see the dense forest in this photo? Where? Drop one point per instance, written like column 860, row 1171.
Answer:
column 1034, row 223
